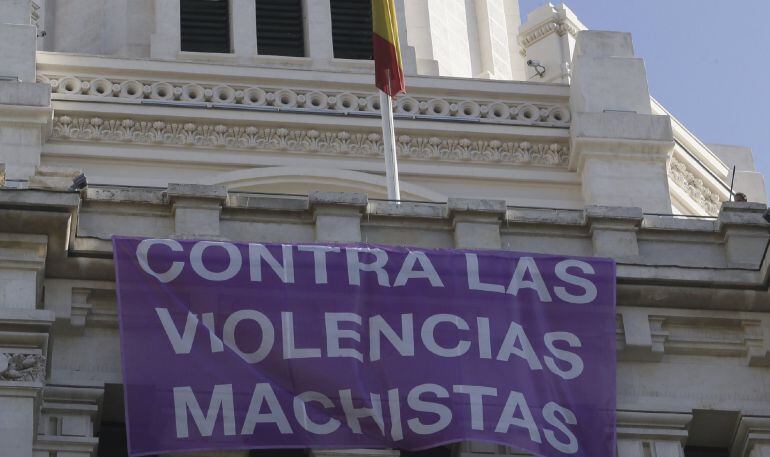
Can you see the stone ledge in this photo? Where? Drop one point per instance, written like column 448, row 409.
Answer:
column 124, row 195
column 545, row 216
column 354, row 199
column 482, row 206
column 743, row 213
column 267, row 202
column 196, row 192
column 408, row 209
column 614, row 213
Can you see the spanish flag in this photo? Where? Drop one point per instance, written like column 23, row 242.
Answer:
column 388, row 69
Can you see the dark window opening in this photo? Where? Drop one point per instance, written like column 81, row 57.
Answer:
column 280, row 29
column 697, row 451
column 205, row 25
column 352, row 29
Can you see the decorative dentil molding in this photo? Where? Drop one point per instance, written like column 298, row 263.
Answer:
column 695, row 187
column 22, row 367
column 326, row 142
column 308, row 100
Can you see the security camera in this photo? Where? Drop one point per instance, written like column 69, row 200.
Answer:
column 539, row 68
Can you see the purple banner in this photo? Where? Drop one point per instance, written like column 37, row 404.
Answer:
column 245, row 346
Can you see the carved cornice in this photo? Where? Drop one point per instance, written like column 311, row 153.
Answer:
column 304, row 141
column 22, row 368
column 559, row 22
column 306, row 100
column 695, row 187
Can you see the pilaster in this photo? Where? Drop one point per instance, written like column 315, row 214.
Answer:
column 745, row 233
column 244, row 20
column 23, row 367
column 318, row 38
column 18, row 41
column 26, row 118
column 338, row 216
column 618, row 147
column 752, row 438
column 614, row 231
column 166, row 42
column 643, row 434
column 476, row 222
column 67, row 422
column 196, row 209
column 22, row 266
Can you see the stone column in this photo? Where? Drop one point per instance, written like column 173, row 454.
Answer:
column 196, row 209
column 642, row 434
column 548, row 36
column 244, row 20
column 618, row 147
column 24, row 331
column 477, row 222
column 166, row 42
column 338, row 216
column 318, row 32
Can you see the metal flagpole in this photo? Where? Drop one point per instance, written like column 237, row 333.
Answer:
column 389, row 140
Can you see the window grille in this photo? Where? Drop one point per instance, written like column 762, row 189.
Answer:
column 205, row 25
column 280, row 29
column 352, row 29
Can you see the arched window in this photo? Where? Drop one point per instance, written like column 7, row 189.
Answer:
column 205, row 25
column 280, row 28
column 352, row 29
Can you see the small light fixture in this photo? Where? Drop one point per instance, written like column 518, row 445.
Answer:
column 539, row 68
column 79, row 183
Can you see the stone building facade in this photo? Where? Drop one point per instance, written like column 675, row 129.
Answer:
column 567, row 154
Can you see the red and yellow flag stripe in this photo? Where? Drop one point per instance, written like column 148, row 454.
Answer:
column 389, row 70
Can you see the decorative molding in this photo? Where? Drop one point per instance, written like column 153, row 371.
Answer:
column 336, row 142
column 22, row 367
column 695, row 187
column 559, row 22
column 307, row 100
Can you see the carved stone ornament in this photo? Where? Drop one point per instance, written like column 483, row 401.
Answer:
column 22, row 367
column 335, row 142
column 694, row 187
column 317, row 101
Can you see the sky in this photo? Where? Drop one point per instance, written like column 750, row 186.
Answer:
column 708, row 62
